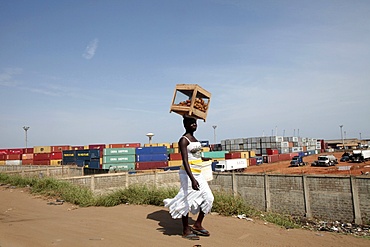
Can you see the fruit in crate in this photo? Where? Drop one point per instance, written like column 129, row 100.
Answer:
column 198, row 104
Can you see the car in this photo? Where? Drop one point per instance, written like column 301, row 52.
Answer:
column 344, row 159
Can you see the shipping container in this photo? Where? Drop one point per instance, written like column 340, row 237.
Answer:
column 255, row 161
column 233, row 155
column 28, row 150
column 174, row 162
column 77, row 147
column 119, row 151
column 270, row 151
column 151, row 150
column 4, row 151
column 13, row 162
column 93, row 163
column 150, row 165
column 15, row 151
column 215, row 154
column 60, row 148
column 27, row 162
column 41, row 156
column 206, row 149
column 42, row 149
column 151, row 157
column 56, row 156
column 175, row 156
column 41, row 162
column 129, row 158
column 14, row 157
column 119, row 166
column 2, row 162
column 56, row 162
column 3, row 156
column 27, row 156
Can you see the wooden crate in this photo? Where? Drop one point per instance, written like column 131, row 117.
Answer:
column 191, row 100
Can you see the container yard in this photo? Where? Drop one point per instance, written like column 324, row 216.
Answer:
column 135, row 157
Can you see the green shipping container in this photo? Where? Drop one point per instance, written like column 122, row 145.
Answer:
column 119, row 166
column 170, row 150
column 119, row 151
column 214, row 154
column 119, row 159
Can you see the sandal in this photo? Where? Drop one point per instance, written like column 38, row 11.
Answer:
column 200, row 232
column 191, row 236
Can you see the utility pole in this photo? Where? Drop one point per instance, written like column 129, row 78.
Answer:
column 341, row 134
column 26, row 128
column 214, row 133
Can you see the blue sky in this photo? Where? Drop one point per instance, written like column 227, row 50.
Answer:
column 90, row 72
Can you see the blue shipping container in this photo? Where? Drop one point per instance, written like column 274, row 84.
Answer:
column 151, row 150
column 151, row 157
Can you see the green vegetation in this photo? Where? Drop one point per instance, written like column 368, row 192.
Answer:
column 225, row 203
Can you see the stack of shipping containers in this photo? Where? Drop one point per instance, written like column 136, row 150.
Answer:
column 151, row 157
column 122, row 159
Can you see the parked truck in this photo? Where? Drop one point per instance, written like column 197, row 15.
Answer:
column 229, row 165
column 360, row 155
column 297, row 161
column 325, row 160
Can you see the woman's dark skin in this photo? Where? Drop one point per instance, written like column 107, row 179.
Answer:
column 190, row 127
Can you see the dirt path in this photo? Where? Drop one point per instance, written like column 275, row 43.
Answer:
column 28, row 220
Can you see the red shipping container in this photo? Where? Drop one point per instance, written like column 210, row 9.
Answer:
column 77, row 147
column 150, row 165
column 41, row 156
column 271, row 151
column 175, row 156
column 14, row 157
column 132, row 145
column 15, row 151
column 2, row 156
column 28, row 150
column 41, row 162
column 124, row 145
column 27, row 162
column 3, row 151
column 56, row 156
column 252, row 161
column 60, row 148
column 233, row 155
column 273, row 158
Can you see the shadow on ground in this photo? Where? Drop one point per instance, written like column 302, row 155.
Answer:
column 167, row 225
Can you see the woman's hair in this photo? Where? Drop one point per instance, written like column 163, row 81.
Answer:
column 188, row 120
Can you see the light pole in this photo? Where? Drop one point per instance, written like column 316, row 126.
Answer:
column 150, row 135
column 214, row 133
column 25, row 130
column 341, row 134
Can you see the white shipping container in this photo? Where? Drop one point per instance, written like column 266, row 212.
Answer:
column 13, row 162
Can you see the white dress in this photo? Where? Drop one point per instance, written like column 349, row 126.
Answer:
column 189, row 200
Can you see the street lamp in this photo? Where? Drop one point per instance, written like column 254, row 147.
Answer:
column 25, row 130
column 214, row 133
column 341, row 134
column 150, row 135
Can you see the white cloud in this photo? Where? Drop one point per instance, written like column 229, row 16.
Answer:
column 91, row 49
column 7, row 76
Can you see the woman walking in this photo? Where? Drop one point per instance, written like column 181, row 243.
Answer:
column 194, row 196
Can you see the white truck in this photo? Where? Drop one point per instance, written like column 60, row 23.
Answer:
column 229, row 165
column 325, row 160
column 360, row 155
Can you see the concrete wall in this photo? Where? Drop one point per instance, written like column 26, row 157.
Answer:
column 344, row 198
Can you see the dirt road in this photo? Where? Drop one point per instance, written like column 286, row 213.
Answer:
column 31, row 221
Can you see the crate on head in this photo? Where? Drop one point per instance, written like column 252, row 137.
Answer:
column 191, row 100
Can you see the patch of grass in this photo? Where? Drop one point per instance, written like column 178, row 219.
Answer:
column 138, row 195
column 285, row 221
column 227, row 204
